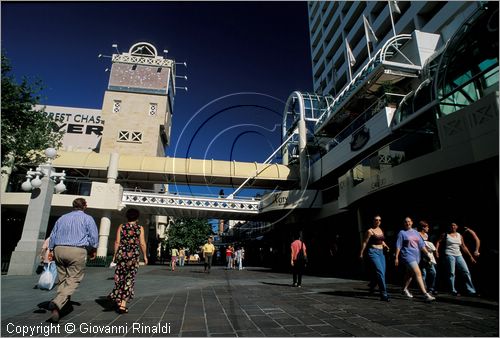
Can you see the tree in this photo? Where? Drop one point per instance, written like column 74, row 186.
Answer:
column 189, row 233
column 26, row 132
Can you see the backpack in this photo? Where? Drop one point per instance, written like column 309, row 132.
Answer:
column 301, row 258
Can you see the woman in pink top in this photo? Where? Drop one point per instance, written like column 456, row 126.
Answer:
column 298, row 264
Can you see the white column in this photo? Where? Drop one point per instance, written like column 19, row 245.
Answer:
column 113, row 168
column 105, row 224
column 304, row 162
column 25, row 259
column 104, row 229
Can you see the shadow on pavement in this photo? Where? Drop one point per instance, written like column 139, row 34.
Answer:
column 468, row 301
column 288, row 285
column 105, row 303
column 43, row 307
column 350, row 294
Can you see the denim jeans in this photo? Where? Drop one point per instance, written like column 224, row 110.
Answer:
column 378, row 260
column 458, row 261
column 429, row 277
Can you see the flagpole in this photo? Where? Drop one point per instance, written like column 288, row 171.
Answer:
column 392, row 19
column 348, row 60
column 366, row 37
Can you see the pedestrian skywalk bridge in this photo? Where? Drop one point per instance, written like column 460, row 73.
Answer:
column 270, row 206
column 192, row 206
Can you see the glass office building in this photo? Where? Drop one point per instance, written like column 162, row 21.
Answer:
column 403, row 121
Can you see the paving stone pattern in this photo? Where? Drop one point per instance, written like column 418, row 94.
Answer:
column 254, row 302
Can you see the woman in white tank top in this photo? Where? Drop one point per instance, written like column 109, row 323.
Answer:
column 454, row 245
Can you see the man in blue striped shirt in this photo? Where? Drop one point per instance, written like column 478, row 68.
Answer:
column 74, row 234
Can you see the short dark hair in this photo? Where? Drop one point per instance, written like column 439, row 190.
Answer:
column 451, row 225
column 421, row 225
column 132, row 215
column 79, row 203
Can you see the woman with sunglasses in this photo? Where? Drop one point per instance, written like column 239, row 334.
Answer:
column 374, row 240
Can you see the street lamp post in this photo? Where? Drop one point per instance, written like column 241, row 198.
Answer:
column 41, row 183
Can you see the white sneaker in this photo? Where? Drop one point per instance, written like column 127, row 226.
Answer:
column 406, row 293
column 428, row 297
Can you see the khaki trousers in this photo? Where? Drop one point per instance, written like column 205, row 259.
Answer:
column 70, row 270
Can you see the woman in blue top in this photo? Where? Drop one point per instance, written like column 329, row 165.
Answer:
column 408, row 246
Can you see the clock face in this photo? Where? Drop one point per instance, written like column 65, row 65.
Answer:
column 143, row 49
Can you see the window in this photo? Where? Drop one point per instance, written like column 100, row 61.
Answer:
column 130, row 136
column 123, row 135
column 469, row 66
column 153, row 108
column 117, row 104
column 136, row 136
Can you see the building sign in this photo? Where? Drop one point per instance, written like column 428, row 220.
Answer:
column 360, row 138
column 83, row 127
column 291, row 199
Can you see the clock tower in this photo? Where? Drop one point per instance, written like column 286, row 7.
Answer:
column 138, row 103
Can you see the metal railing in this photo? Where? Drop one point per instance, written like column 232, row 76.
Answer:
column 246, row 206
column 390, row 48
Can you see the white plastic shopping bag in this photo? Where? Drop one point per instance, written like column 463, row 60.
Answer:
column 48, row 276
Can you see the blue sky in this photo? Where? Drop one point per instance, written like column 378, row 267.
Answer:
column 244, row 60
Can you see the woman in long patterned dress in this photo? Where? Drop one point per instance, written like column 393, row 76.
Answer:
column 129, row 238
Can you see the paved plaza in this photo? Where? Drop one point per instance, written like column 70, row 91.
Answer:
column 253, row 302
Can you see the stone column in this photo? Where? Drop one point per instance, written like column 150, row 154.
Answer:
column 25, row 257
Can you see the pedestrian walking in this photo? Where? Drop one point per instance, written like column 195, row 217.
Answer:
column 173, row 261
column 474, row 237
column 73, row 237
column 240, row 255
column 208, row 252
column 129, row 239
column 454, row 245
column 473, row 243
column 229, row 257
column 375, row 241
column 428, row 261
column 298, row 260
column 233, row 258
column 182, row 256
column 408, row 247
